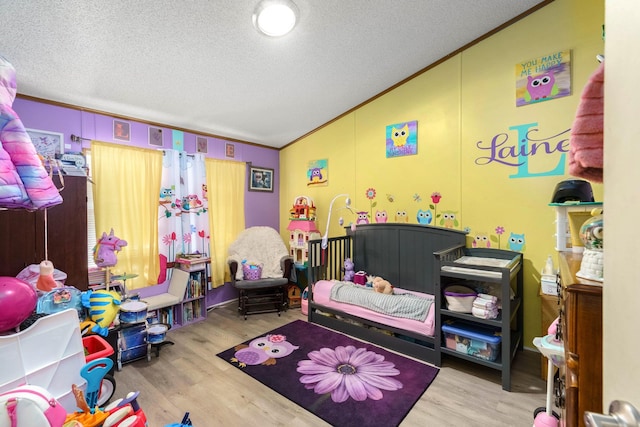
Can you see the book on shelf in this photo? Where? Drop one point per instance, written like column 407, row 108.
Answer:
column 192, row 262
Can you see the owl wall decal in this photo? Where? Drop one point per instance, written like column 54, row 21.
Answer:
column 449, row 219
column 399, row 136
column 263, row 351
column 481, row 241
column 541, row 86
column 425, row 217
column 516, row 242
column 363, row 217
column 401, row 216
column 381, row 216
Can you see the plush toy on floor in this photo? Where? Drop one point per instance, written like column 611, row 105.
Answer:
column 382, row 286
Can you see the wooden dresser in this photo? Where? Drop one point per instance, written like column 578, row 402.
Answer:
column 582, row 335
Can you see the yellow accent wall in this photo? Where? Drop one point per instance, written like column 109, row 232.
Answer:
column 460, row 106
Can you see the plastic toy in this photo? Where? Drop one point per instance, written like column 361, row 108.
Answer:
column 17, row 301
column 553, row 349
column 103, row 307
column 104, row 253
column 46, row 282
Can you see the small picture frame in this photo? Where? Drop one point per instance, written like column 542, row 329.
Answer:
column 260, row 179
column 201, row 144
column 47, row 143
column 155, row 137
column 230, row 150
column 121, row 131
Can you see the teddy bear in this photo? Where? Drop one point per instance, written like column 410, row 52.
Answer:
column 382, row 286
column 349, row 270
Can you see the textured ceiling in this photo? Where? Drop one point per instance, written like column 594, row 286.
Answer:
column 200, row 65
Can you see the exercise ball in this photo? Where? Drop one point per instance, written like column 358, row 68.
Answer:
column 17, row 301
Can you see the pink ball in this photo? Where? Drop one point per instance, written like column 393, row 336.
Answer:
column 17, row 301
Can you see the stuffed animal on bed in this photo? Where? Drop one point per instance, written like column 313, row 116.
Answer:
column 349, row 270
column 382, row 286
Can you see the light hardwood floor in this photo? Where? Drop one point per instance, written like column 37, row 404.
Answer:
column 188, row 376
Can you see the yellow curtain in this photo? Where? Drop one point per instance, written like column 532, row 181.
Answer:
column 225, row 183
column 125, row 195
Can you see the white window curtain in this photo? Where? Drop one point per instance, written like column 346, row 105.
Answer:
column 183, row 224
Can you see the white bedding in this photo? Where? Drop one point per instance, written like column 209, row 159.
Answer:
column 322, row 296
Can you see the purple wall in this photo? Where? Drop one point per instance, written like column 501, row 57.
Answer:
column 261, row 208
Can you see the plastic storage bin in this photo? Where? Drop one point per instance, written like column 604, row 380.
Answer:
column 477, row 341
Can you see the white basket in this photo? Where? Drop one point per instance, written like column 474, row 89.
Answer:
column 459, row 298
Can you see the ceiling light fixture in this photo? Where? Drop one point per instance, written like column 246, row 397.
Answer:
column 275, row 18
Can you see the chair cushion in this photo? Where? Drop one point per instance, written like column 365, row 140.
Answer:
column 261, row 283
column 160, row 301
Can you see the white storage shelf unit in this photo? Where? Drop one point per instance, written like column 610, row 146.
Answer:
column 49, row 354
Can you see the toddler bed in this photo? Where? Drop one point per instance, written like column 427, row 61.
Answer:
column 403, row 254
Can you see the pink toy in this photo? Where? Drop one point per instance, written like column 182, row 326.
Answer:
column 46, row 282
column 17, row 301
column 105, row 251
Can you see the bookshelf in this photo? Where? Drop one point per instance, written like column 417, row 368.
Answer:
column 193, row 307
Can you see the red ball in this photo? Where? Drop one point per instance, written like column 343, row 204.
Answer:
column 17, row 301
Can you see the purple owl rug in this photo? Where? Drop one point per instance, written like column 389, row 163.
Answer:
column 341, row 380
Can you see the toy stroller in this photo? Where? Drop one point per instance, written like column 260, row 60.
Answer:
column 553, row 349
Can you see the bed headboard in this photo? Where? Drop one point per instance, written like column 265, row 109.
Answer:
column 400, row 253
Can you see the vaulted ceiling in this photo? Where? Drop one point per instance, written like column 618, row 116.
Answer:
column 200, row 65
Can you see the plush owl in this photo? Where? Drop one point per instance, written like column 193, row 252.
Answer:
column 263, row 351
column 381, row 216
column 399, row 136
column 363, row 218
column 449, row 219
column 541, row 86
column 401, row 216
column 516, row 242
column 481, row 241
column 425, row 217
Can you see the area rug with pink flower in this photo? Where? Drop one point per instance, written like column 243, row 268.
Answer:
column 344, row 381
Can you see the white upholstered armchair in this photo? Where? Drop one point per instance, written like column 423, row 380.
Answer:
column 261, row 246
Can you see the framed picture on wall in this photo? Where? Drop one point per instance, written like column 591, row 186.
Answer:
column 47, row 144
column 230, row 150
column 201, row 144
column 155, row 137
column 121, row 131
column 260, row 179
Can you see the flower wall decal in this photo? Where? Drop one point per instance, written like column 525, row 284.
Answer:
column 371, row 194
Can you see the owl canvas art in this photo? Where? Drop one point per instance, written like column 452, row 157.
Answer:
column 402, row 139
column 263, row 351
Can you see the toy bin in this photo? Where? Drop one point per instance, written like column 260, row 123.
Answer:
column 477, row 341
column 459, row 298
column 96, row 347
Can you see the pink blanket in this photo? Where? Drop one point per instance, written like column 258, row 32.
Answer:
column 322, row 296
column 24, row 182
column 586, row 143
